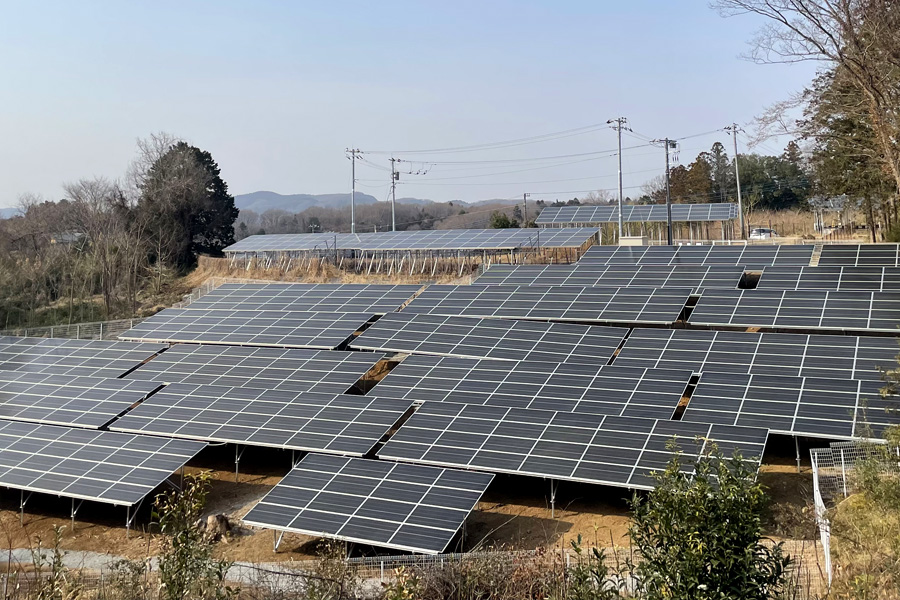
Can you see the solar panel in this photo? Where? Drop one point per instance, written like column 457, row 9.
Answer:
column 648, row 213
column 407, row 507
column 249, row 328
column 496, row 339
column 806, row 355
column 807, row 406
column 90, row 402
column 860, row 255
column 554, row 303
column 806, row 309
column 113, row 468
column 60, row 356
column 438, row 239
column 307, row 297
column 306, row 421
column 616, row 451
column 692, row 276
column 876, row 279
column 740, row 255
column 294, row 370
column 619, row 391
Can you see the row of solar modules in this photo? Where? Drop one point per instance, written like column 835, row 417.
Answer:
column 697, row 277
column 264, row 411
column 436, row 239
column 646, row 213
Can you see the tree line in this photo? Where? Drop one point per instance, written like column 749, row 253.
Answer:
column 95, row 253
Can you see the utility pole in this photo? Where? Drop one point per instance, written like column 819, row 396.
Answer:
column 619, row 124
column 395, row 176
column 733, row 128
column 668, row 144
column 352, row 156
column 525, row 203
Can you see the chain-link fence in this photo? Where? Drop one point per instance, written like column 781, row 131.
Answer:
column 100, row 330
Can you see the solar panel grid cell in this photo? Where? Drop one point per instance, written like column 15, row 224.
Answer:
column 593, row 215
column 59, row 356
column 106, row 467
column 295, row 370
column 310, row 297
column 252, row 328
column 650, row 275
column 805, row 309
column 495, row 339
column 807, row 355
column 393, row 505
column 89, row 402
column 877, row 279
column 306, row 421
column 554, row 303
column 617, row 451
column 860, row 255
column 748, row 257
column 567, row 387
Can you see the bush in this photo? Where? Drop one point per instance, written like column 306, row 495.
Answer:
column 699, row 535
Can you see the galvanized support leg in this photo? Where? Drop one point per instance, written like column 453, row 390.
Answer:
column 278, row 535
column 797, row 447
column 238, row 453
column 23, row 499
column 553, row 485
column 75, row 510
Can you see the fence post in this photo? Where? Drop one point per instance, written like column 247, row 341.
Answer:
column 382, row 571
column 843, row 473
column 78, row 332
column 51, row 332
column 101, row 330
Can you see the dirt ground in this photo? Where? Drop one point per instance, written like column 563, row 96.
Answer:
column 513, row 514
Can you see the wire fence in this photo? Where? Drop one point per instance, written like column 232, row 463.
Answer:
column 100, row 330
column 834, row 479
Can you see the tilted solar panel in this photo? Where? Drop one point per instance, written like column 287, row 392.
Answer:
column 250, row 328
column 860, row 255
column 619, row 391
column 594, row 215
column 290, row 369
column 806, row 309
column 497, row 339
column 90, row 402
column 740, row 255
column 688, row 276
column 307, row 297
column 392, row 505
column 554, row 303
column 616, row 451
column 60, row 356
column 115, row 468
column 876, row 279
column 813, row 407
column 791, row 354
column 306, row 421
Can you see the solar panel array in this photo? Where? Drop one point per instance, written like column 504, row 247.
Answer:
column 748, row 257
column 689, row 276
column 307, row 297
column 408, row 507
column 90, row 402
column 806, row 309
column 846, row 357
column 60, row 356
column 618, row 391
column 554, row 303
column 616, row 451
column 647, row 213
column 813, row 407
column 114, row 468
column 294, row 370
column 876, row 279
column 496, row 339
column 437, row 239
column 306, row 421
column 247, row 327
column 860, row 255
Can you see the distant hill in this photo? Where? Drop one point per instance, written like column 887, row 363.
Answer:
column 6, row 213
column 260, row 202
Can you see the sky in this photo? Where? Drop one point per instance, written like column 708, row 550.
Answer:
column 277, row 90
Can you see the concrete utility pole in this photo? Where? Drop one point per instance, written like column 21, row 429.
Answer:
column 733, row 128
column 619, row 124
column 525, row 207
column 668, row 144
column 352, row 156
column 395, row 176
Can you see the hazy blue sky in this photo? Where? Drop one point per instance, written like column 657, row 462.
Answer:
column 277, row 90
